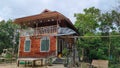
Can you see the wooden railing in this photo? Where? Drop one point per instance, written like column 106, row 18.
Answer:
column 45, row 30
column 38, row 30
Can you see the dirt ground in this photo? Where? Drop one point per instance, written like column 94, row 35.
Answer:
column 14, row 65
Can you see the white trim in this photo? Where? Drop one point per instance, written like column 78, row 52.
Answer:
column 27, row 38
column 49, row 44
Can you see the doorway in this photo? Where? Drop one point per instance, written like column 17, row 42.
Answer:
column 60, row 47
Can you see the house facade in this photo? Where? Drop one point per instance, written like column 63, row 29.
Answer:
column 44, row 35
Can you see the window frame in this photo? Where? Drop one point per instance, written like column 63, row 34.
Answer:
column 26, row 39
column 41, row 44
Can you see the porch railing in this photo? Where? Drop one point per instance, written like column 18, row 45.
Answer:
column 38, row 30
column 45, row 30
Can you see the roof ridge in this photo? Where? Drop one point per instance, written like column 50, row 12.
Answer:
column 46, row 10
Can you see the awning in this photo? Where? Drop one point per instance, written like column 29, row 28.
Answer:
column 65, row 31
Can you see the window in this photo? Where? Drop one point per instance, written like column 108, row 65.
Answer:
column 45, row 44
column 27, row 45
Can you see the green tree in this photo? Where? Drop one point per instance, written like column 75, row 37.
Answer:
column 8, row 35
column 87, row 24
column 103, row 26
column 94, row 23
column 115, row 47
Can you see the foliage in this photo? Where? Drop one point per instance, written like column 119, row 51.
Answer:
column 8, row 35
column 94, row 23
column 65, row 52
column 8, row 56
column 86, row 23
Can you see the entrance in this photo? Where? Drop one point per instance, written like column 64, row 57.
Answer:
column 60, row 47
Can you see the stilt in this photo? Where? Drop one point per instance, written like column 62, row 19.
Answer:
column 25, row 63
column 18, row 63
column 41, row 62
column 33, row 63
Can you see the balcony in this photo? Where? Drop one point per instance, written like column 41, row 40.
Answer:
column 45, row 30
column 39, row 31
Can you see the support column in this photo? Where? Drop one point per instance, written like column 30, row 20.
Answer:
column 41, row 62
column 18, row 63
column 25, row 63
column 33, row 63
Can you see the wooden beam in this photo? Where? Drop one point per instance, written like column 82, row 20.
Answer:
column 88, row 36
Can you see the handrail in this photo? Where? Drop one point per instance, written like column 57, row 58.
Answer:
column 45, row 30
column 38, row 30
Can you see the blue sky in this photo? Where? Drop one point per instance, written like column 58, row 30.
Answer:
column 11, row 9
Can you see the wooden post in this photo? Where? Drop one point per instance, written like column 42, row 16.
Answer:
column 33, row 63
column 74, row 53
column 25, row 63
column 36, row 30
column 18, row 63
column 109, row 47
column 41, row 62
column 57, row 36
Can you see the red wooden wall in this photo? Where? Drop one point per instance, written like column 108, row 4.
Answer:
column 35, row 48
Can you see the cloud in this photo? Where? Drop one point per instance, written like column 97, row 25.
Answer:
column 6, row 12
column 19, row 8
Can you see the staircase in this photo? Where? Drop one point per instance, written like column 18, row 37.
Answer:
column 58, row 61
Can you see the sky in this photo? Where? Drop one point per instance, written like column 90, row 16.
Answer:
column 12, row 9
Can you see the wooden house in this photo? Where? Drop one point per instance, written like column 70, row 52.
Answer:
column 41, row 35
